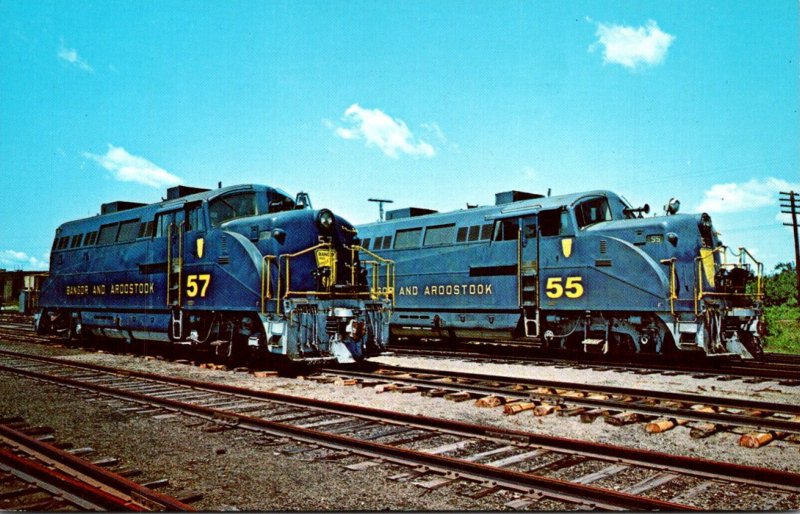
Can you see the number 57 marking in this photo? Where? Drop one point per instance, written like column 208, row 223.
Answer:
column 193, row 285
column 572, row 288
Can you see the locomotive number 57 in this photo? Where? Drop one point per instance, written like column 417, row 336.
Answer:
column 197, row 284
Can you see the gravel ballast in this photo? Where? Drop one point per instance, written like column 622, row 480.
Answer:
column 236, row 471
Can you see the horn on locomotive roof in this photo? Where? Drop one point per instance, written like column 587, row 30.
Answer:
column 641, row 211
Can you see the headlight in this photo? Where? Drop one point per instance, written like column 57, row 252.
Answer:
column 672, row 206
column 705, row 220
column 325, row 219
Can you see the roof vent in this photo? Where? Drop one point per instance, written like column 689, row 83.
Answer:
column 176, row 192
column 514, row 196
column 108, row 208
column 408, row 212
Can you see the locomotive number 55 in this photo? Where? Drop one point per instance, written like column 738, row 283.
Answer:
column 572, row 288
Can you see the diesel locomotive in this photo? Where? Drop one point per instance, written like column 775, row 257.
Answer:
column 584, row 271
column 242, row 272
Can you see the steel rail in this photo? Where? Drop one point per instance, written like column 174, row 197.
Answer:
column 771, row 368
column 60, row 485
column 79, row 478
column 763, row 477
column 610, row 404
column 560, row 489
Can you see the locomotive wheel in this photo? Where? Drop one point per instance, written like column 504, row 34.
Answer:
column 232, row 353
column 62, row 326
column 753, row 344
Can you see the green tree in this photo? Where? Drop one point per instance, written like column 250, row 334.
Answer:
column 780, row 288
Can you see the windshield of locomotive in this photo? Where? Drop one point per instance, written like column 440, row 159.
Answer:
column 626, row 208
column 278, row 201
column 236, row 205
column 592, row 211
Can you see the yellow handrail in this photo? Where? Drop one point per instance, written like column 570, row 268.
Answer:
column 673, row 295
column 284, row 274
column 742, row 257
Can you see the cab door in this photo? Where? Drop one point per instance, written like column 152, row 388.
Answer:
column 197, row 275
column 560, row 282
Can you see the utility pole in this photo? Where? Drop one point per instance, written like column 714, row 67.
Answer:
column 789, row 205
column 380, row 206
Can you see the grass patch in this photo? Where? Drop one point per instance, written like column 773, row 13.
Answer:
column 783, row 329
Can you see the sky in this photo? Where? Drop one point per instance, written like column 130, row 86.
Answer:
column 431, row 104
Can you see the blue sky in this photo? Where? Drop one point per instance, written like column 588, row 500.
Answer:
column 431, row 104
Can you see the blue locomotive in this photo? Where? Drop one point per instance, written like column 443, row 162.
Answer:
column 583, row 271
column 236, row 271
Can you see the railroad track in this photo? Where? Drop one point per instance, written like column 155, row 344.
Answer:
column 38, row 476
column 661, row 410
column 436, row 452
column 784, row 368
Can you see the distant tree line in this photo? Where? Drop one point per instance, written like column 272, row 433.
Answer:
column 780, row 288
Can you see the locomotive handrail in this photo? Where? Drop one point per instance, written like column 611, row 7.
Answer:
column 284, row 274
column 673, row 295
column 179, row 261
column 375, row 287
column 266, row 281
column 741, row 256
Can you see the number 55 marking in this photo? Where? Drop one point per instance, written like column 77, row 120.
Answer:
column 572, row 288
column 193, row 285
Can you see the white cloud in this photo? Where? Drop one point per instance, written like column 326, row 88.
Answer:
column 13, row 260
column 71, row 56
column 632, row 47
column 376, row 128
column 745, row 196
column 131, row 168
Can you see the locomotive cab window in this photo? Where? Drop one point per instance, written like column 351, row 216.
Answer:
column 278, row 202
column 592, row 211
column 554, row 222
column 529, row 227
column 506, row 230
column 76, row 240
column 166, row 219
column 196, row 220
column 230, row 207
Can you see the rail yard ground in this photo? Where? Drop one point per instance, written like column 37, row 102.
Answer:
column 235, row 472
